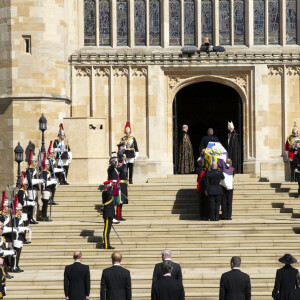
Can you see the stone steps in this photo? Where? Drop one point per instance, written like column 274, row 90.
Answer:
column 165, row 215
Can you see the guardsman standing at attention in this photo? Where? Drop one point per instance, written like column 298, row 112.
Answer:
column 64, row 154
column 290, row 149
column 132, row 151
column 108, row 212
column 122, row 168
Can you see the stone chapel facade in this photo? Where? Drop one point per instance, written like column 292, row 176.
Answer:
column 104, row 62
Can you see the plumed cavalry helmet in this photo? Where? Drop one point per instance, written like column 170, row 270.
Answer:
column 295, row 128
column 230, row 124
column 127, row 127
column 61, row 129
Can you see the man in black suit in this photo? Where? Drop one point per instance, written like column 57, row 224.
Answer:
column 115, row 281
column 167, row 287
column 235, row 284
column 206, row 139
column 285, row 281
column 77, row 279
column 295, row 294
column 214, row 191
column 176, row 269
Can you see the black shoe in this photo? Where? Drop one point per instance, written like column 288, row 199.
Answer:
column 16, row 270
column 122, row 219
column 27, row 242
column 9, row 276
column 33, row 222
column 298, row 196
column 66, row 183
column 110, row 247
column 130, row 182
column 52, row 203
column 20, row 270
column 46, row 219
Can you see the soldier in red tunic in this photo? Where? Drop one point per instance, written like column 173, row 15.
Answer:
column 290, row 149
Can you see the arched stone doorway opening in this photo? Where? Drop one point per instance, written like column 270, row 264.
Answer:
column 203, row 105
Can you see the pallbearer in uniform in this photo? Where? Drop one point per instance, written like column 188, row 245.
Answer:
column 64, row 154
column 122, row 168
column 290, row 148
column 132, row 151
column 108, row 212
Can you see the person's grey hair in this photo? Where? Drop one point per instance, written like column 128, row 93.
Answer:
column 298, row 276
column 166, row 267
column 210, row 131
column 166, row 253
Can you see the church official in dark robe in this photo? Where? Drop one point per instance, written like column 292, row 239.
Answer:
column 206, row 139
column 167, row 287
column 233, row 148
column 235, row 285
column 176, row 269
column 295, row 294
column 77, row 279
column 285, row 281
column 186, row 163
column 115, row 281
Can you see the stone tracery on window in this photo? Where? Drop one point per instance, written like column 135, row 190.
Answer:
column 140, row 22
column 174, row 23
column 259, row 22
column 89, row 23
column 154, row 23
column 104, row 23
column 189, row 22
column 100, row 22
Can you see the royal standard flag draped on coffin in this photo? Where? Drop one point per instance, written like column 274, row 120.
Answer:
column 213, row 152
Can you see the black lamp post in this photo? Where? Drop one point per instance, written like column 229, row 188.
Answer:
column 43, row 128
column 19, row 158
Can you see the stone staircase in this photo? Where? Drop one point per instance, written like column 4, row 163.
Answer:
column 163, row 214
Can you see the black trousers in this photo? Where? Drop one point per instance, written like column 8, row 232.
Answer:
column 130, row 172
column 66, row 168
column 44, row 208
column 214, row 206
column 203, row 206
column 227, row 203
column 293, row 166
column 106, row 232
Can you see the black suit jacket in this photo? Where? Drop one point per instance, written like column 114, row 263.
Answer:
column 115, row 284
column 77, row 281
column 213, row 179
column 235, row 285
column 294, row 295
column 176, row 272
column 167, row 288
column 285, row 282
column 205, row 140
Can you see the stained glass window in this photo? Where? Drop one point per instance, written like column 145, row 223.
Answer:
column 89, row 23
column 189, row 22
column 259, row 22
column 224, row 22
column 291, row 22
column 207, row 19
column 140, row 22
column 174, row 22
column 104, row 23
column 239, row 22
column 122, row 23
column 154, row 26
column 274, row 21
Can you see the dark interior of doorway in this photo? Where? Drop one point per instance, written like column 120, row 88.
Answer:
column 203, row 105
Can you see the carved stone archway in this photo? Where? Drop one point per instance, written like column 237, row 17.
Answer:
column 239, row 82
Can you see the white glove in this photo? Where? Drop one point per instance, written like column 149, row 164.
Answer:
column 137, row 154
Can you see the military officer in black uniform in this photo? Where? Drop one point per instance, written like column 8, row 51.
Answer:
column 122, row 168
column 214, row 191
column 206, row 139
column 108, row 212
column 3, row 279
column 131, row 150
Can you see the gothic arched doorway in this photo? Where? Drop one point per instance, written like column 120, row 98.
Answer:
column 201, row 106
